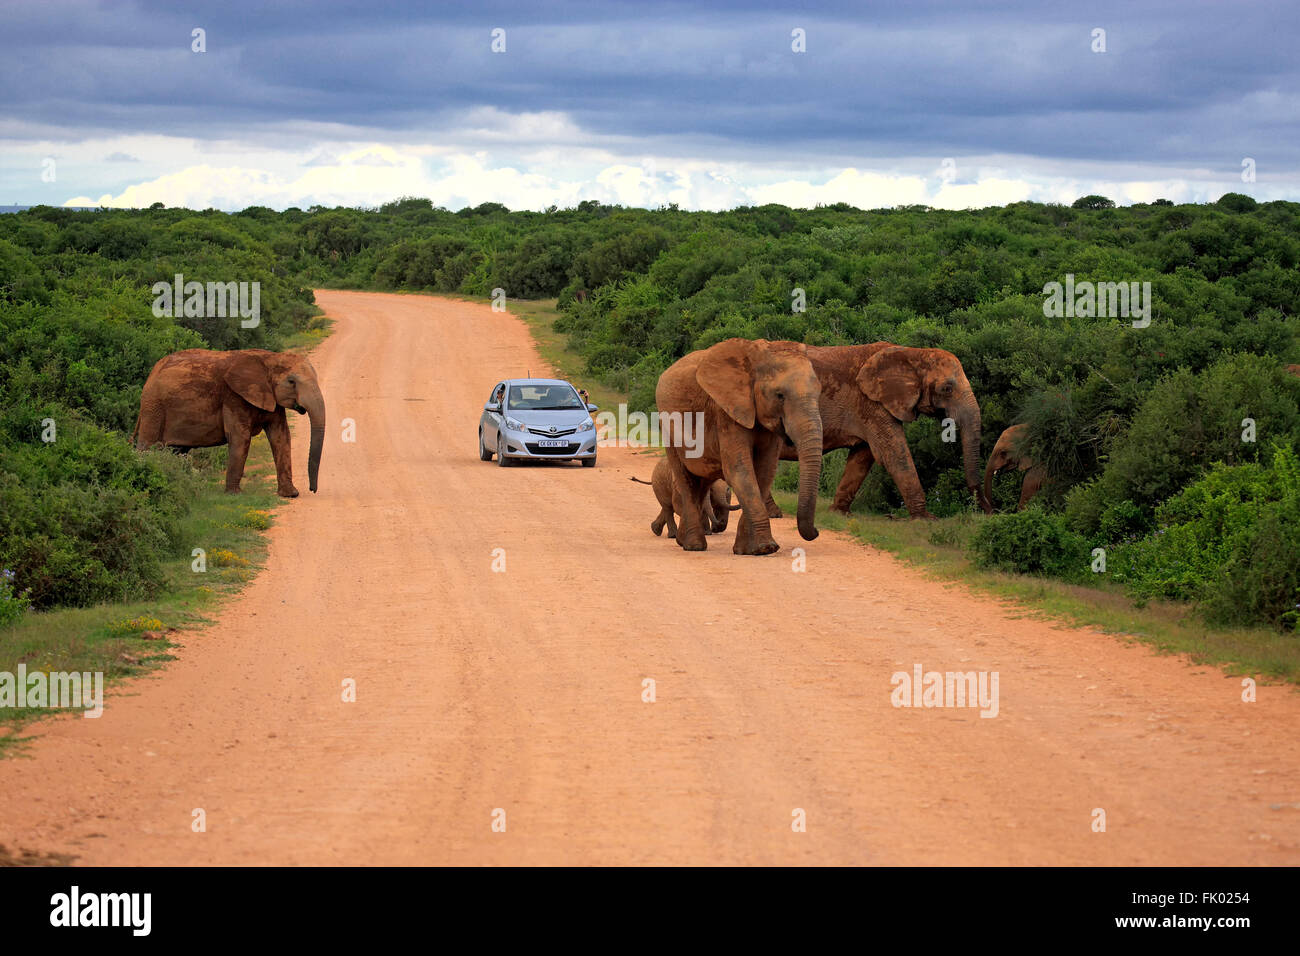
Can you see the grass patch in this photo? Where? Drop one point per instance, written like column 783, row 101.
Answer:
column 939, row 548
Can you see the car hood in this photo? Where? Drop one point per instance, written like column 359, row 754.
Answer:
column 534, row 418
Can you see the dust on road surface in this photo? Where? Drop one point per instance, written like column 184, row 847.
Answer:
column 522, row 690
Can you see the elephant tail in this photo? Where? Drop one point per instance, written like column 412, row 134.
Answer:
column 640, row 482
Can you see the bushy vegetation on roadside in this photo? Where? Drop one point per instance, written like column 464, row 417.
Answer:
column 1229, row 541
column 84, row 519
column 1031, row 542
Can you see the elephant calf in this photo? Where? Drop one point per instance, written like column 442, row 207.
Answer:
column 199, row 398
column 1007, row 454
column 717, row 504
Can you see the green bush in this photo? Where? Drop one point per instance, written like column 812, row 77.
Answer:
column 1230, row 542
column 13, row 603
column 1190, row 421
column 84, row 518
column 1031, row 542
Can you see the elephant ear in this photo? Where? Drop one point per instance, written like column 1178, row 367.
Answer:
column 247, row 377
column 726, row 373
column 889, row 378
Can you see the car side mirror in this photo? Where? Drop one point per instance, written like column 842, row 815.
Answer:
column 492, row 407
column 593, row 409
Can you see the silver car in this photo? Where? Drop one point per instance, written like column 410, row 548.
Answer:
column 540, row 418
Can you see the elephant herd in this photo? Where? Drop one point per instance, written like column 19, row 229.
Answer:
column 759, row 402
column 764, row 401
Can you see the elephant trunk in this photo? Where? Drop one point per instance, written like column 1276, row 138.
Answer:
column 992, row 469
column 805, row 429
column 314, row 402
column 968, row 423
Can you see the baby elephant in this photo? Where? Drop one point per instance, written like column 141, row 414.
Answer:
column 1007, row 453
column 717, row 504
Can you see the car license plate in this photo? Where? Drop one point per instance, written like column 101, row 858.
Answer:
column 552, row 443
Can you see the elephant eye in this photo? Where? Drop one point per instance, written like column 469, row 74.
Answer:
column 780, row 395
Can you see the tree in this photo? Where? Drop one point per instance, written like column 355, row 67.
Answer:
column 1093, row 202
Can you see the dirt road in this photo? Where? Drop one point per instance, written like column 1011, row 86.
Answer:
column 522, row 691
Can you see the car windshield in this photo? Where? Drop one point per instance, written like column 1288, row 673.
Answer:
column 543, row 398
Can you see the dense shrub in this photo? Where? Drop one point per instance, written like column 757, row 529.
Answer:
column 1031, row 542
column 85, row 519
column 1189, row 422
column 1230, row 541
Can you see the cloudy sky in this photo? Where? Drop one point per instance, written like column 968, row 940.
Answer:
column 706, row 105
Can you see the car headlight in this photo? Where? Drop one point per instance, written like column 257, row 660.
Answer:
column 516, row 426
column 587, row 425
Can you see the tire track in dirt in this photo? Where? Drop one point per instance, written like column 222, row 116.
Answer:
column 522, row 690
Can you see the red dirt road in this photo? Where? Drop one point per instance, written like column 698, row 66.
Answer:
column 522, row 690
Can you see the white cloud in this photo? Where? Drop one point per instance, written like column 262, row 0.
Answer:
column 866, row 190
column 535, row 160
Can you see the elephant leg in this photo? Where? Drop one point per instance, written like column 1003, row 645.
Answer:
column 1033, row 483
column 856, row 467
column 238, row 438
column 277, row 433
column 773, row 509
column 744, row 473
column 897, row 459
column 718, row 505
column 149, row 429
column 690, row 534
column 665, row 517
column 672, row 526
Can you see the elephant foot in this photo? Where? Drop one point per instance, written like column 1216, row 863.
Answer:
column 924, row 516
column 694, row 542
column 290, row 492
column 232, row 489
column 764, row 547
column 840, row 509
column 657, row 527
column 774, row 510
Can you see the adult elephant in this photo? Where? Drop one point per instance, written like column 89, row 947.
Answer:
column 868, row 392
column 1009, row 453
column 198, row 398
column 752, row 396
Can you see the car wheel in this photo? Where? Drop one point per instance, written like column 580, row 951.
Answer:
column 502, row 460
column 483, row 453
column 589, row 462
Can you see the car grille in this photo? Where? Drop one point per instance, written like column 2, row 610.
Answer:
column 555, row 434
column 537, row 449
